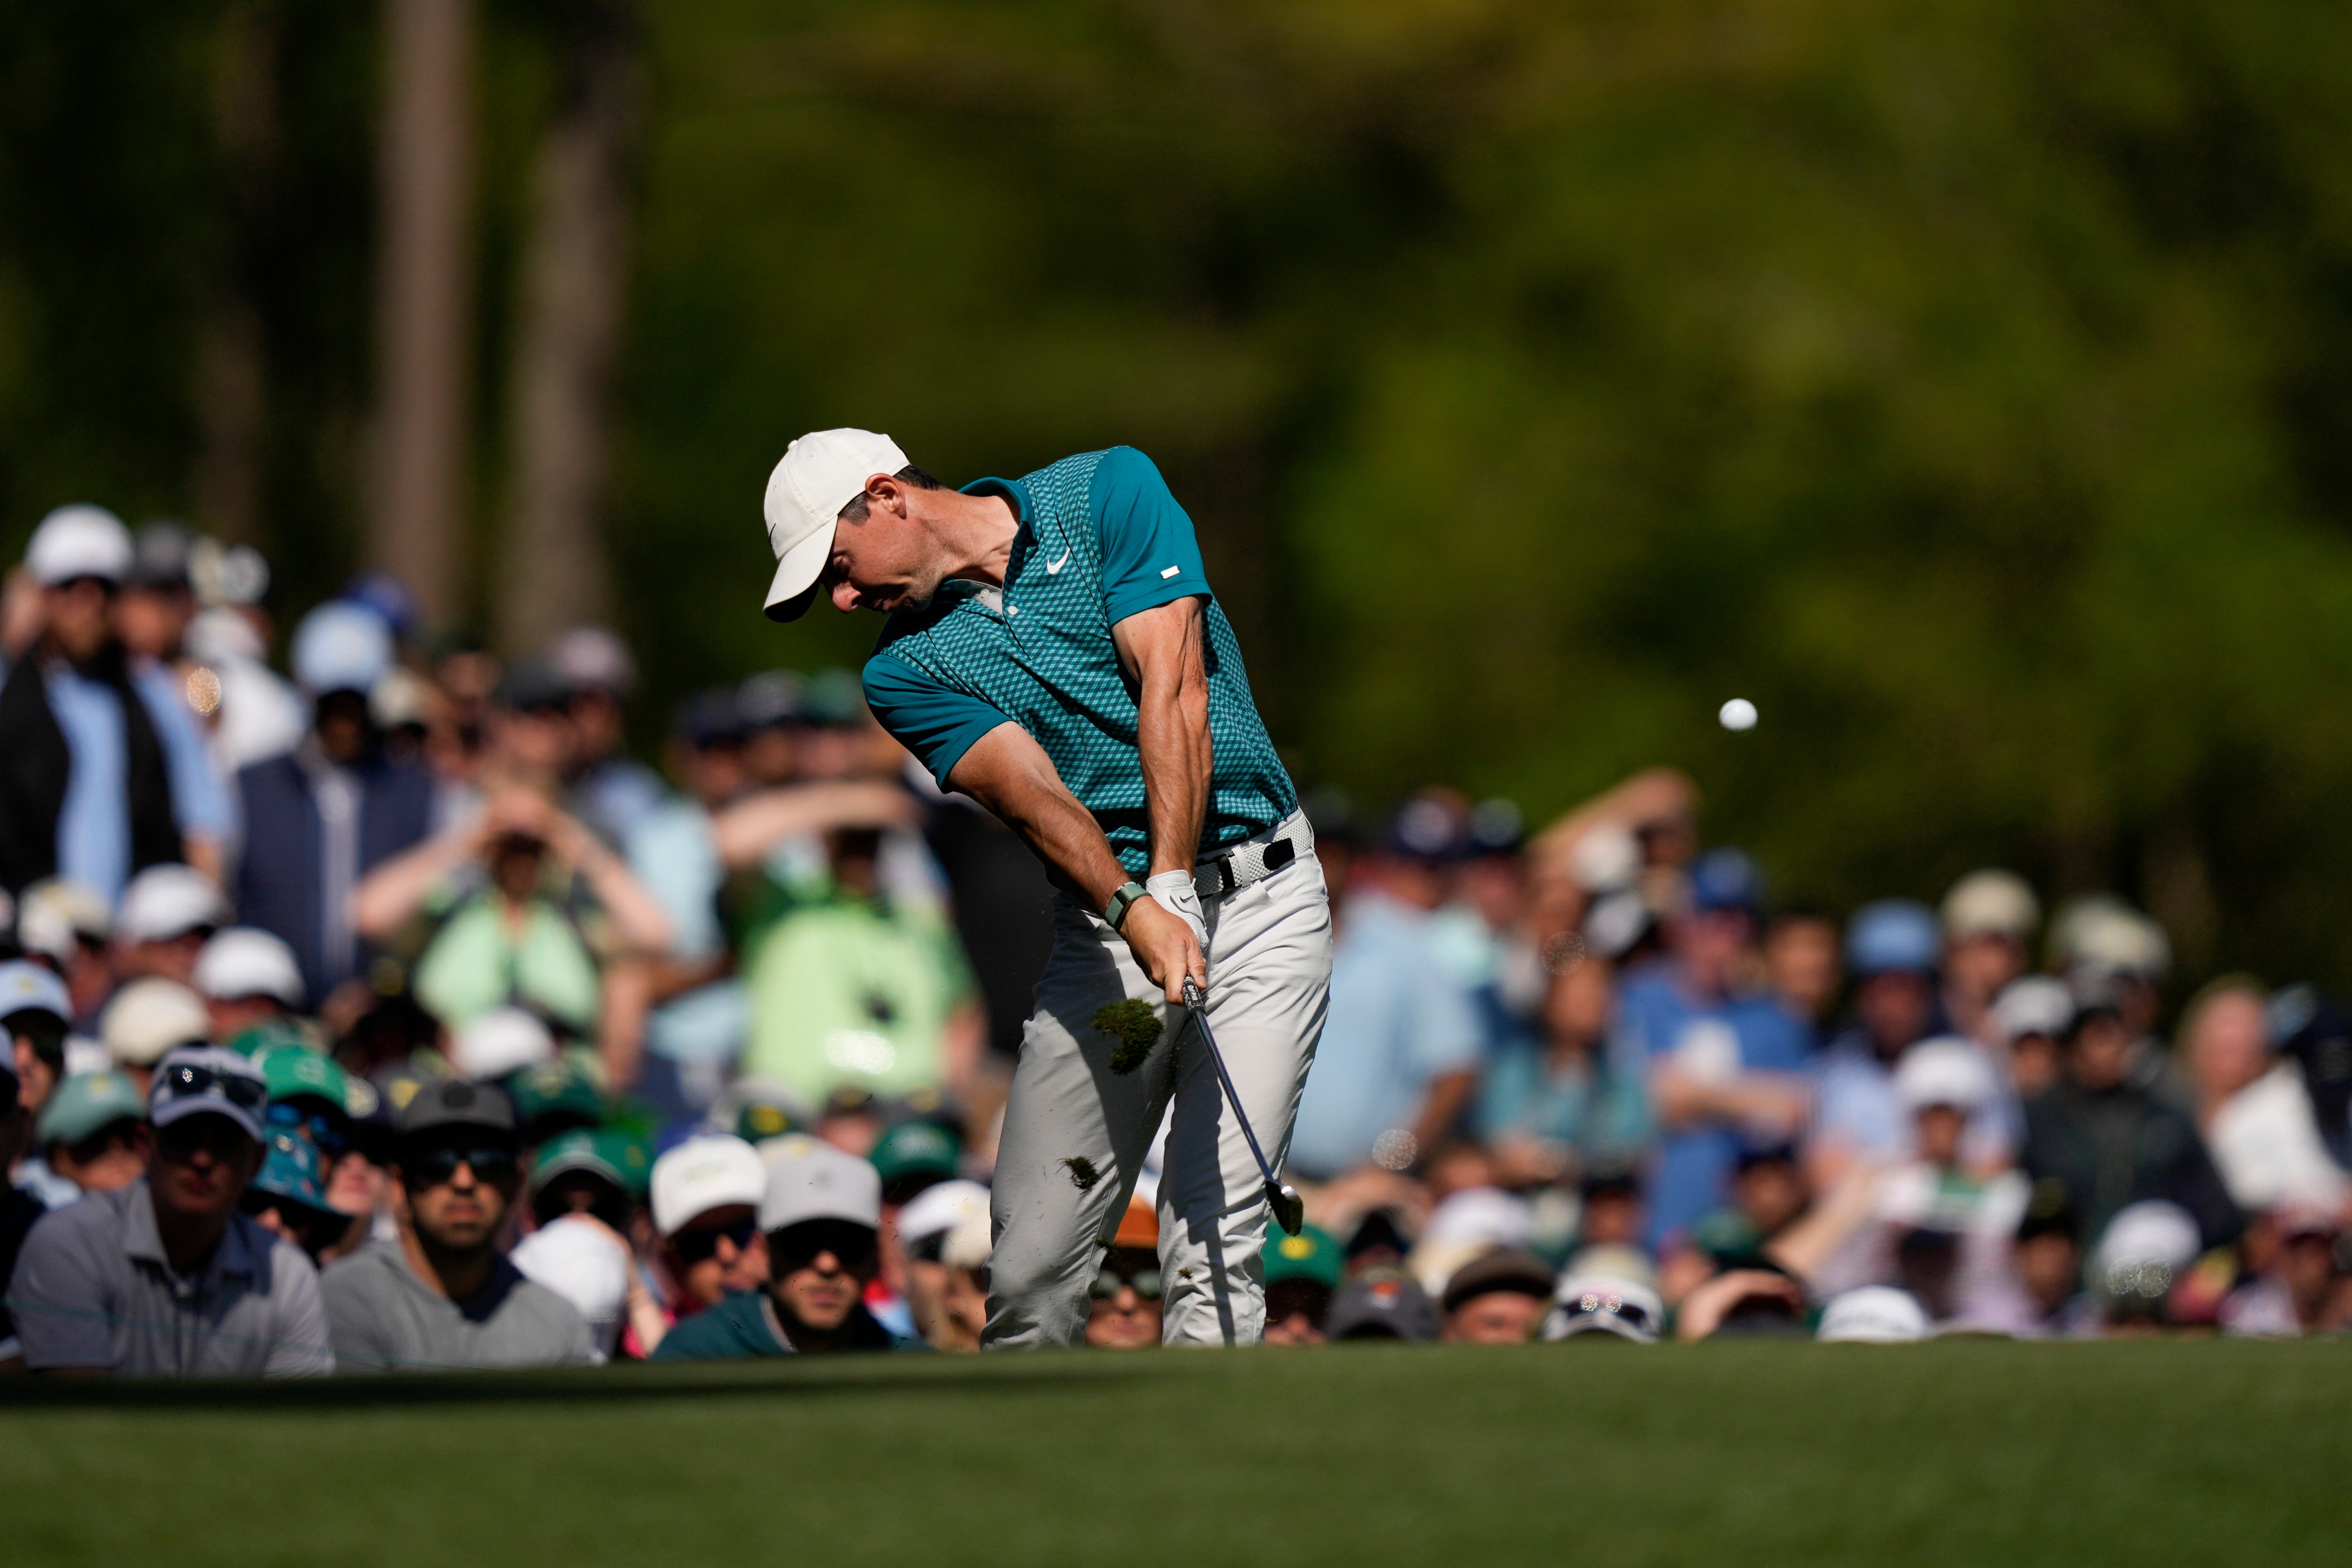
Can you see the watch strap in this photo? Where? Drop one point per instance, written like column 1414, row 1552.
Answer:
column 1120, row 902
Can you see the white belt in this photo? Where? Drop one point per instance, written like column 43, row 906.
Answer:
column 1254, row 859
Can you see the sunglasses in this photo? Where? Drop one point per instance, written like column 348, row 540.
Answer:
column 217, row 1136
column 701, row 1244
column 799, row 1246
column 1144, row 1282
column 437, row 1164
column 186, row 1080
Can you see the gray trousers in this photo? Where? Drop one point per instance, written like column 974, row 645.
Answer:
column 1076, row 1132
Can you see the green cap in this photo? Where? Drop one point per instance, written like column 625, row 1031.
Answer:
column 916, row 1149
column 617, row 1155
column 84, row 1102
column 298, row 1073
column 273, row 1034
column 1728, row 1237
column 1313, row 1254
column 560, row 1092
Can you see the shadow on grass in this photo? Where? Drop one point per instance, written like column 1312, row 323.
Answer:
column 789, row 1378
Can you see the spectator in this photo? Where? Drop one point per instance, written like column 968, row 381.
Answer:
column 333, row 808
column 771, row 704
column 89, row 1133
column 601, row 1172
column 586, row 1263
column 1302, row 1274
column 527, row 904
column 609, row 792
column 2297, row 1292
column 155, row 603
column 1398, row 1064
column 2253, row 1108
column 37, row 1013
column 444, row 1296
column 1988, row 918
column 695, row 1031
column 257, row 714
column 252, row 987
column 706, row 1202
column 105, row 772
column 2113, row 1143
column 1610, row 1228
column 1721, row 1065
column 165, row 1278
column 2042, row 1296
column 1802, row 968
column 963, row 1303
column 2029, row 1020
column 1123, row 1306
column 1497, row 1299
column 167, row 913
column 821, row 1214
column 147, row 1019
column 72, row 929
column 2103, row 945
column 499, row 1045
column 1873, row 1314
column 1858, row 1116
column 313, row 1094
column 2145, row 1250
column 288, row 1197
column 1605, row 1305
column 925, row 1229
column 1557, row 1105
column 2314, row 1032
column 1382, row 1302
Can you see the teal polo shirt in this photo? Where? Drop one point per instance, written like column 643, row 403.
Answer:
column 1101, row 540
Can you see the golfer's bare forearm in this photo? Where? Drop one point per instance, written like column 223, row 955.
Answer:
column 1008, row 772
column 1161, row 649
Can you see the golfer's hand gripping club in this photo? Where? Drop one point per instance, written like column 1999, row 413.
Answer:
column 1289, row 1210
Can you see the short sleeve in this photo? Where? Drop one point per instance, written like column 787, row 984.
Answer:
column 1150, row 556
column 302, row 1347
column 936, row 725
column 63, row 1317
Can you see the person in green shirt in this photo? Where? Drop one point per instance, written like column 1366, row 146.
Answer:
column 821, row 1214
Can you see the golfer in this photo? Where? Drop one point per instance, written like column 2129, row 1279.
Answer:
column 1053, row 651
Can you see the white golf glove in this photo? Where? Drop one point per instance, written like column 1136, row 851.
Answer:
column 1173, row 892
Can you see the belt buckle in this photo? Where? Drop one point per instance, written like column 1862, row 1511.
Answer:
column 1223, row 862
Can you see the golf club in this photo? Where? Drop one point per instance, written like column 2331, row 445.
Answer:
column 1289, row 1208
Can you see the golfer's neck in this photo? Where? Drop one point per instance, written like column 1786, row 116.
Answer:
column 980, row 535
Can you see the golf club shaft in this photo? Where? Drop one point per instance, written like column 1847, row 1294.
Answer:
column 1200, row 1009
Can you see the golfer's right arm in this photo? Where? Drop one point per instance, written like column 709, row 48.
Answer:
column 1008, row 772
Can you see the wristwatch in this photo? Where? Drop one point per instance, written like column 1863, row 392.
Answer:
column 1116, row 910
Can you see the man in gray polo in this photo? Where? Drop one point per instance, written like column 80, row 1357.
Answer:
column 1053, row 651
column 165, row 1277
column 444, row 1296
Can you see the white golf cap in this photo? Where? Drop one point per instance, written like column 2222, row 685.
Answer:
column 165, row 901
column 243, row 961
column 2035, row 1004
column 703, row 1174
column 53, row 916
column 78, row 541
column 152, row 1016
column 341, row 647
column 27, row 986
column 820, row 474
column 1605, row 1303
column 937, row 1210
column 500, row 1041
column 1873, row 1314
column 820, row 1182
column 1947, row 1071
column 1990, row 903
column 968, row 1244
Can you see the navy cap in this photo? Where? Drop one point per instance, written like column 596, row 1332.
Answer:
column 1725, row 880
column 709, row 718
column 770, row 699
column 1894, row 934
column 531, row 684
column 1425, row 829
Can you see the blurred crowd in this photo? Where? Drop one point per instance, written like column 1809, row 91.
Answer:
column 380, row 1012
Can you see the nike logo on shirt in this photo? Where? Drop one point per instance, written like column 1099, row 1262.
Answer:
column 1054, row 566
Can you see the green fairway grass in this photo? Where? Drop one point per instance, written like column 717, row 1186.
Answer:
column 1972, row 1452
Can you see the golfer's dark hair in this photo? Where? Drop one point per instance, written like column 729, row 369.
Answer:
column 909, row 475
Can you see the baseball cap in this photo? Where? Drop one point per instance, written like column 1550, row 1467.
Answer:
column 341, row 647
column 1990, row 903
column 1138, row 1226
column 1496, row 827
column 159, row 555
column 501, row 1041
column 614, row 1153
column 2033, row 1004
column 1381, row 1304
column 298, row 1073
column 2102, row 932
column 1424, row 829
column 532, row 685
column 592, row 659
column 456, row 1103
column 83, row 1103
column 709, row 718
column 552, row 1097
column 1312, row 1254
column 1873, row 1314
column 30, row 988
column 714, row 1170
column 291, row 1169
column 2144, row 1247
column 818, row 1181
column 1892, row 933
column 241, row 961
column 206, row 1080
column 150, row 1017
column 915, row 1148
column 387, row 596
column 932, row 1213
column 771, row 699
column 78, row 541
column 819, row 475
column 54, row 915
column 1727, row 880
column 1505, row 1269
column 1946, row 1070
column 1608, row 1304
column 167, row 902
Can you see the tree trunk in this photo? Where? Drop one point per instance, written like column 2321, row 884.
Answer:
column 574, row 272
column 232, row 381
column 424, row 256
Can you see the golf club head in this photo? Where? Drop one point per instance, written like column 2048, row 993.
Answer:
column 1289, row 1208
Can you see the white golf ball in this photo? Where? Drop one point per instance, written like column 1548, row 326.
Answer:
column 1737, row 714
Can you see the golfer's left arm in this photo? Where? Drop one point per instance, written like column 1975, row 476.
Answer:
column 1160, row 651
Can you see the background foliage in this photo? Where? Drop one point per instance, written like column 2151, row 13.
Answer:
column 1968, row 384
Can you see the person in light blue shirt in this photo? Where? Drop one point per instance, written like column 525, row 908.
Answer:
column 102, row 770
column 1402, row 1046
column 1722, row 1068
